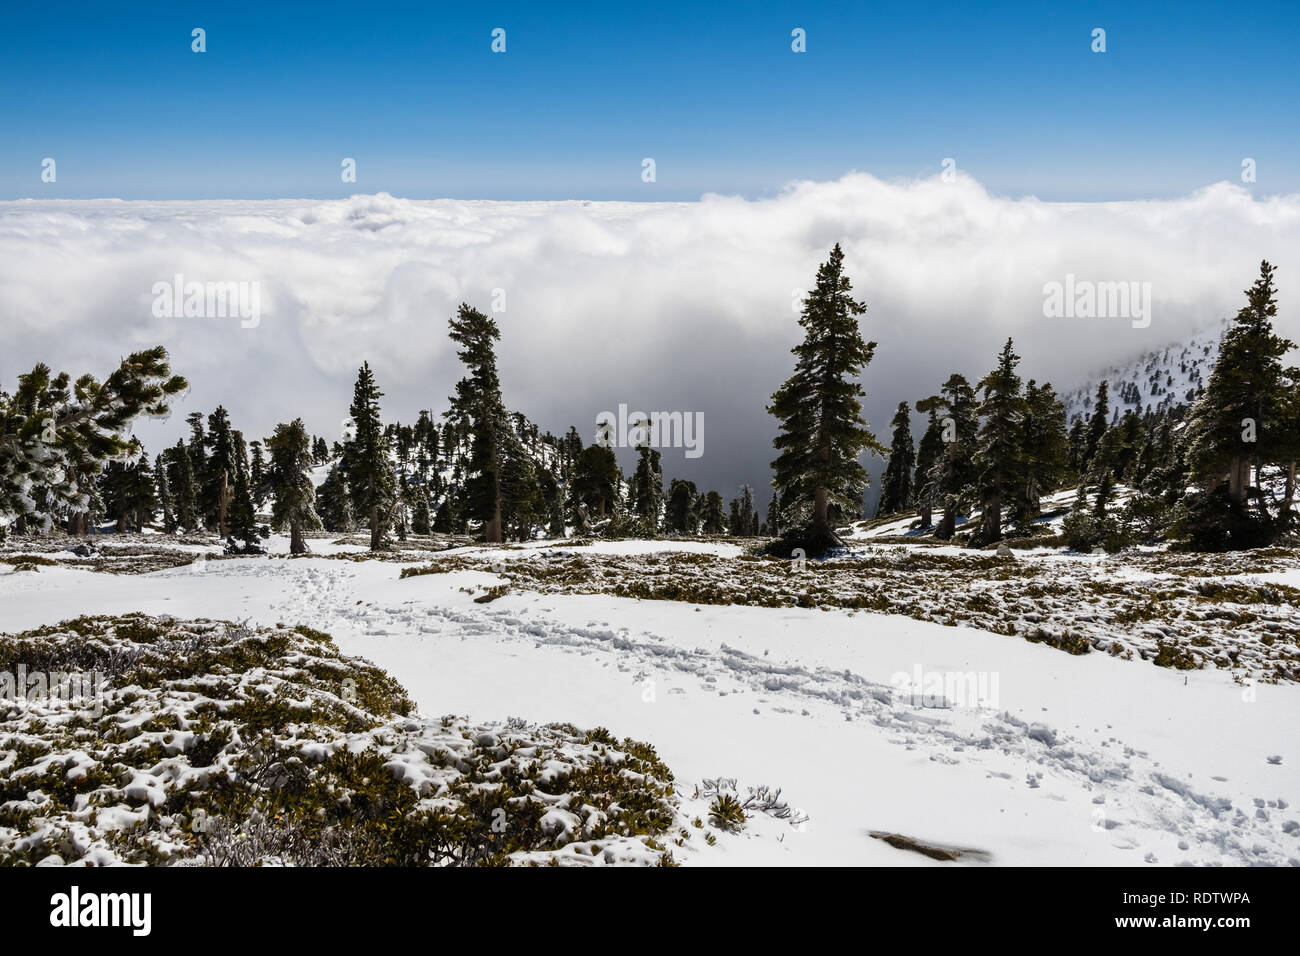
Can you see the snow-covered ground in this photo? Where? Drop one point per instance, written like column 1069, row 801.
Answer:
column 1091, row 760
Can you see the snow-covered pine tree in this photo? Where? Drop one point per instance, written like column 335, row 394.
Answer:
column 477, row 407
column 366, row 463
column 822, row 432
column 896, row 486
column 1245, row 417
column 56, row 434
column 293, row 498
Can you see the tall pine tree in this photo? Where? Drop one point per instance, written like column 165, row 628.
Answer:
column 366, row 461
column 998, row 464
column 929, row 452
column 896, row 487
column 822, row 431
column 477, row 407
column 288, row 481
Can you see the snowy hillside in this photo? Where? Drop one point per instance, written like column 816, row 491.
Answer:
column 906, row 697
column 1154, row 382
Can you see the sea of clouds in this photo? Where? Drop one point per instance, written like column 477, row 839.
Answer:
column 662, row 306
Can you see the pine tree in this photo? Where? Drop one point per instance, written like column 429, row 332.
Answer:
column 289, row 482
column 929, row 453
column 713, row 519
column 257, row 474
column 1044, row 452
column 219, row 469
column 165, row 499
column 1096, row 429
column 1078, row 446
column 822, row 431
column 334, row 502
column 365, row 459
column 141, row 493
column 746, row 514
column 1288, row 448
column 115, row 494
column 477, row 407
column 998, row 463
column 522, row 503
column 896, row 488
column 954, row 482
column 56, row 434
column 595, row 480
column 242, row 519
column 1244, row 416
column 198, row 456
column 185, row 492
column 420, row 518
column 682, row 516
column 773, row 515
column 554, row 493
column 648, row 488
column 241, row 453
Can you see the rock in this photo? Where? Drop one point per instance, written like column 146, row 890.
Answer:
column 1042, row 733
column 1004, row 551
column 935, row 852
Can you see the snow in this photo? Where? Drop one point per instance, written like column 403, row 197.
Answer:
column 1085, row 760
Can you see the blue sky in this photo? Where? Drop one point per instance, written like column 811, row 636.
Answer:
column 1012, row 92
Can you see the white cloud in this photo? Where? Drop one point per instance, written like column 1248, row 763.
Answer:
column 675, row 306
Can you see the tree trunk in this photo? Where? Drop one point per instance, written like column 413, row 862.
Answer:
column 1288, row 494
column 948, row 524
column 375, row 539
column 296, row 543
column 1238, row 476
column 926, row 512
column 993, row 519
column 222, row 504
column 821, row 510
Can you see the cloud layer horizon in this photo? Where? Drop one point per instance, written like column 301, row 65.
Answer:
column 686, row 307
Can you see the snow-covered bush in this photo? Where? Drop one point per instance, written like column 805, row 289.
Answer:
column 214, row 743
